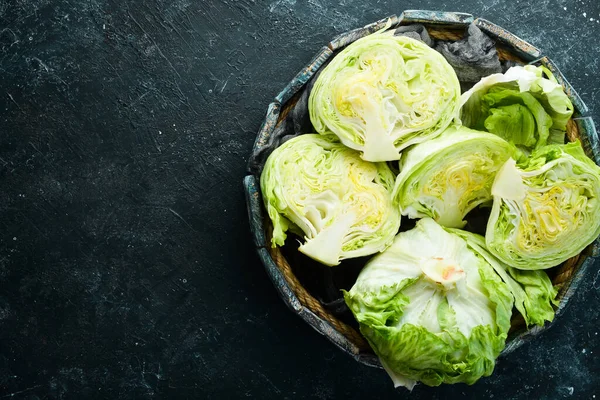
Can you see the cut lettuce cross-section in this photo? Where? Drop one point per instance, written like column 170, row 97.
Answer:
column 521, row 106
column 546, row 209
column 383, row 93
column 446, row 177
column 432, row 309
column 319, row 188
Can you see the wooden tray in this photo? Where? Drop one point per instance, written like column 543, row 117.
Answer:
column 440, row 25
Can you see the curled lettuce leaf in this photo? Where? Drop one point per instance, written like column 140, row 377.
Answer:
column 446, row 177
column 546, row 208
column 533, row 292
column 342, row 204
column 432, row 309
column 521, row 106
column 383, row 93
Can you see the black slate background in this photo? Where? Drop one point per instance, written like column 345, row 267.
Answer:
column 126, row 264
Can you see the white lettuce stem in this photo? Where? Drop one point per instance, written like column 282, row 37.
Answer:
column 326, row 247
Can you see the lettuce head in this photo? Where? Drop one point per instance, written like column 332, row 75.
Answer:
column 322, row 190
column 383, row 93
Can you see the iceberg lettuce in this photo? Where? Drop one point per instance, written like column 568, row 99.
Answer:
column 319, row 188
column 446, row 177
column 432, row 309
column 383, row 93
column 546, row 208
column 521, row 106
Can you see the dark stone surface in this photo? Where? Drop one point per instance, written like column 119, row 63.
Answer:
column 127, row 269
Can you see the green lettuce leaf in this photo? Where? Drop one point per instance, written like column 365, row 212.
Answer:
column 525, row 106
column 533, row 292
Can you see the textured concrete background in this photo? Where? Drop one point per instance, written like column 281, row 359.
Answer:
column 126, row 264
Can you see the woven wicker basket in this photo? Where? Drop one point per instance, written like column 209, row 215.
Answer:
column 444, row 26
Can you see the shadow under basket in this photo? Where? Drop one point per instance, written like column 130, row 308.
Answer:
column 297, row 286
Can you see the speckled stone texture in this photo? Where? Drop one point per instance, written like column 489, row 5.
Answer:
column 127, row 267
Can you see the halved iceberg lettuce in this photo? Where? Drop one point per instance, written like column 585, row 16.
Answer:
column 383, row 93
column 319, row 188
column 446, row 177
column 546, row 208
column 525, row 106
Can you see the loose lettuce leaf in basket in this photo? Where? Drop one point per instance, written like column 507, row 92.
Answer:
column 432, row 309
column 319, row 188
column 546, row 208
column 447, row 177
column 383, row 93
column 521, row 106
